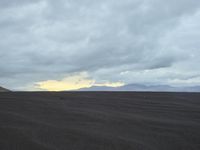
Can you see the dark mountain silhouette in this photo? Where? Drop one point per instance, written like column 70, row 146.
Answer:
column 3, row 89
column 141, row 87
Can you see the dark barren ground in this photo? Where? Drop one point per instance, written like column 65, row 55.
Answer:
column 99, row 121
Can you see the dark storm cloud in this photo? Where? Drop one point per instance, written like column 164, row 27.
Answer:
column 124, row 40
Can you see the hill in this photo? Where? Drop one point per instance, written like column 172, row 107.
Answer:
column 3, row 89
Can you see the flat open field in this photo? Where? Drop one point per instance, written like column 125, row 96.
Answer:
column 99, row 121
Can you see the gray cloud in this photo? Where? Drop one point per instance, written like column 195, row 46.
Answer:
column 128, row 40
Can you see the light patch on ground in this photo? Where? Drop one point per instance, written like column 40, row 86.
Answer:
column 73, row 82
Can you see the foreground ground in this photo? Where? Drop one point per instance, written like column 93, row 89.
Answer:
column 99, row 121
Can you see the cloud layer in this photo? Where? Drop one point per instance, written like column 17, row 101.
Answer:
column 130, row 41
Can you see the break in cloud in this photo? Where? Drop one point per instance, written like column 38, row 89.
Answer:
column 123, row 41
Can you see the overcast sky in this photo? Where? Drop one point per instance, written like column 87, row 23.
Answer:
column 99, row 42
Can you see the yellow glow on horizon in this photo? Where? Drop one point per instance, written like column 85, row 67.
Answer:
column 74, row 82
column 69, row 83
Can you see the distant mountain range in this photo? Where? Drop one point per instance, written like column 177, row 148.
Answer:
column 3, row 89
column 141, row 87
column 136, row 87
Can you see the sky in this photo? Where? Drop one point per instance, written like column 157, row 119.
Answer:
column 72, row 44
